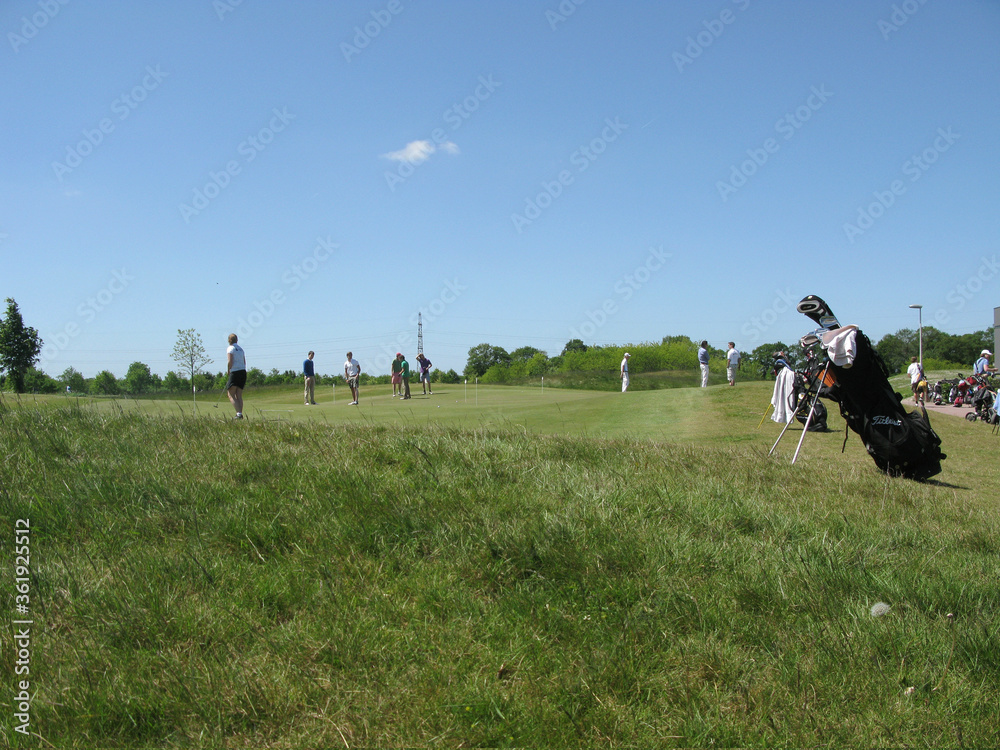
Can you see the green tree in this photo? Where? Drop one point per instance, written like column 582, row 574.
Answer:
column 964, row 348
column 538, row 365
column 37, row 381
column 677, row 340
column 897, row 348
column 105, row 383
column 255, row 377
column 189, row 353
column 173, row 382
column 484, row 356
column 204, row 381
column 574, row 345
column 761, row 359
column 495, row 374
column 19, row 346
column 73, row 380
column 524, row 353
column 138, row 379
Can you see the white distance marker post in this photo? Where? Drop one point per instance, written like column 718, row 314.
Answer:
column 334, row 393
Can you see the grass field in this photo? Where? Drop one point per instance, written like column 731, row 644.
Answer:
column 508, row 567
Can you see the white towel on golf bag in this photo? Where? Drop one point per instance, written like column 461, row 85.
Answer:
column 783, row 398
column 841, row 345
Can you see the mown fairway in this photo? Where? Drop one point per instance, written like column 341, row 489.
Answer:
column 557, row 569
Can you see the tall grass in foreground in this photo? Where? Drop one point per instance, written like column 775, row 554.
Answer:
column 205, row 583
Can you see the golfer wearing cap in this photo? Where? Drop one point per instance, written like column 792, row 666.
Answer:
column 983, row 365
column 625, row 372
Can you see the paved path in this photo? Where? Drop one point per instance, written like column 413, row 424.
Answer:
column 955, row 411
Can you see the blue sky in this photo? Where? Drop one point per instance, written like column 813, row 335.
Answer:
column 312, row 175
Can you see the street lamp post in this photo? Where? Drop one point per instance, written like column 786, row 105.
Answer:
column 920, row 335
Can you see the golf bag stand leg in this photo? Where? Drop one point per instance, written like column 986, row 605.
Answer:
column 781, row 435
column 788, row 424
column 812, row 409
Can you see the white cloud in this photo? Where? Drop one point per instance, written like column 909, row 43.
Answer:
column 417, row 152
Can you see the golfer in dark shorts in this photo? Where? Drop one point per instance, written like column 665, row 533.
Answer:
column 236, row 367
column 404, row 367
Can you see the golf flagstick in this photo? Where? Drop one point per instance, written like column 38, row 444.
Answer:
column 766, row 412
column 812, row 410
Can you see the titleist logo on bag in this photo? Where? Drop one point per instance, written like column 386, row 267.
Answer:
column 886, row 420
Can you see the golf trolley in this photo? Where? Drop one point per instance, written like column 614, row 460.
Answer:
column 811, row 382
column 983, row 400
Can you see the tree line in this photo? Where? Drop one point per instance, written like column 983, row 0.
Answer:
column 140, row 381
column 20, row 346
column 493, row 364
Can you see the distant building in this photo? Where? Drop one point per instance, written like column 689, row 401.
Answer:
column 996, row 330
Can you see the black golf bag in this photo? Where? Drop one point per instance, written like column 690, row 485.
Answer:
column 901, row 443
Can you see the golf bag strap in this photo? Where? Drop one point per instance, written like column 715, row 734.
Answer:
column 847, row 433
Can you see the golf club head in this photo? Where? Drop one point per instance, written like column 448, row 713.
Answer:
column 809, row 340
column 815, row 308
